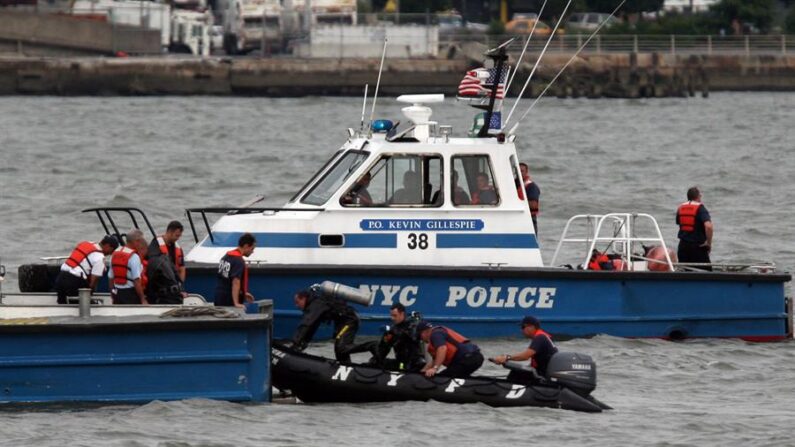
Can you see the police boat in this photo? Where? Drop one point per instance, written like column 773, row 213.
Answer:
column 413, row 214
column 568, row 385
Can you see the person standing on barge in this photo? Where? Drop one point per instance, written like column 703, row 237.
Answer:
column 126, row 270
column 695, row 230
column 84, row 267
column 167, row 245
column 232, row 280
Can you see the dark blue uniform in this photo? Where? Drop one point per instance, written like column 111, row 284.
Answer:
column 690, row 242
column 544, row 350
column 467, row 358
column 229, row 268
column 699, row 234
column 533, row 192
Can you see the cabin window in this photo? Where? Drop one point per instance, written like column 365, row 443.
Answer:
column 472, row 181
column 334, row 178
column 398, row 180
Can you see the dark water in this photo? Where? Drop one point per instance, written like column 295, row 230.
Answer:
column 60, row 155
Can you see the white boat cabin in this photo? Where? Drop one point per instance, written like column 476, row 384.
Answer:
column 413, row 197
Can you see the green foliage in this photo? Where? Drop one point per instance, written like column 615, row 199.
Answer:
column 420, row 6
column 758, row 12
column 789, row 23
column 496, row 27
column 671, row 24
column 631, row 6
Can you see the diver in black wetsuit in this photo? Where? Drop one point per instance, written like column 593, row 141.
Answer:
column 401, row 337
column 164, row 283
column 318, row 309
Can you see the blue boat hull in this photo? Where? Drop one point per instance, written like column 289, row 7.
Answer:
column 135, row 361
column 490, row 303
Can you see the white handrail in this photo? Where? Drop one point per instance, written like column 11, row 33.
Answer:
column 626, row 237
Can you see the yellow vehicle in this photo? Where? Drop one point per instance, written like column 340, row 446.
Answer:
column 525, row 26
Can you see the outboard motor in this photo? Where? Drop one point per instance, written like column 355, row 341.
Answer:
column 574, row 371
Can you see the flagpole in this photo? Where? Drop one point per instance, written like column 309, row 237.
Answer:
column 499, row 57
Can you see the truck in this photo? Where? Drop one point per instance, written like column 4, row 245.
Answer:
column 337, row 12
column 190, row 32
column 248, row 22
column 181, row 30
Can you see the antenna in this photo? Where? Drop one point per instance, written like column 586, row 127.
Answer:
column 527, row 42
column 571, row 59
column 538, row 61
column 499, row 55
column 364, row 106
column 377, row 84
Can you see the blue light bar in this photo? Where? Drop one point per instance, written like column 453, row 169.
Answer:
column 382, row 126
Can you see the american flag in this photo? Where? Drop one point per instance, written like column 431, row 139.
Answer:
column 477, row 83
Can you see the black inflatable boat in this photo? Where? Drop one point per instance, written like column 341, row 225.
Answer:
column 570, row 381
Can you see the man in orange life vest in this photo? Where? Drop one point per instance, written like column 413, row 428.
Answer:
column 232, row 286
column 84, row 267
column 447, row 347
column 541, row 349
column 695, row 229
column 167, row 245
column 126, row 271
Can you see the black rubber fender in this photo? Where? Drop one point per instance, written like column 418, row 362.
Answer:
column 33, row 278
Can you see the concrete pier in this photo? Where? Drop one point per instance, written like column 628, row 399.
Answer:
column 613, row 75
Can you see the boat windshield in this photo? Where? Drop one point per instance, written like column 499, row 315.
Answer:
column 316, row 175
column 334, row 178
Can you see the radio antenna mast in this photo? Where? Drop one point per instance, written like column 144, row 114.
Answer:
column 377, row 84
column 571, row 59
column 524, row 50
column 538, row 61
column 364, row 106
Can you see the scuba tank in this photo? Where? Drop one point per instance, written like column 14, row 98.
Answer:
column 330, row 289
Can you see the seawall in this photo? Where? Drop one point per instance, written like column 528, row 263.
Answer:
column 619, row 75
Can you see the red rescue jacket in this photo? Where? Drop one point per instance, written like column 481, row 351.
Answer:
column 538, row 333
column 244, row 282
column 597, row 260
column 454, row 339
column 119, row 263
column 686, row 216
column 179, row 257
column 80, row 253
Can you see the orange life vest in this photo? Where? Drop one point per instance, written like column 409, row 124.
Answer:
column 179, row 258
column 597, row 260
column 119, row 263
column 144, row 263
column 244, row 283
column 533, row 362
column 686, row 215
column 80, row 254
column 454, row 339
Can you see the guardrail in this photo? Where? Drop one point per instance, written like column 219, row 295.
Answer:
column 615, row 43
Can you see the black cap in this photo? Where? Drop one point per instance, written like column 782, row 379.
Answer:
column 110, row 240
column 528, row 320
column 422, row 325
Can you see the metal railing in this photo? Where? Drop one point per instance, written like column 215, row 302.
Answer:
column 619, row 43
